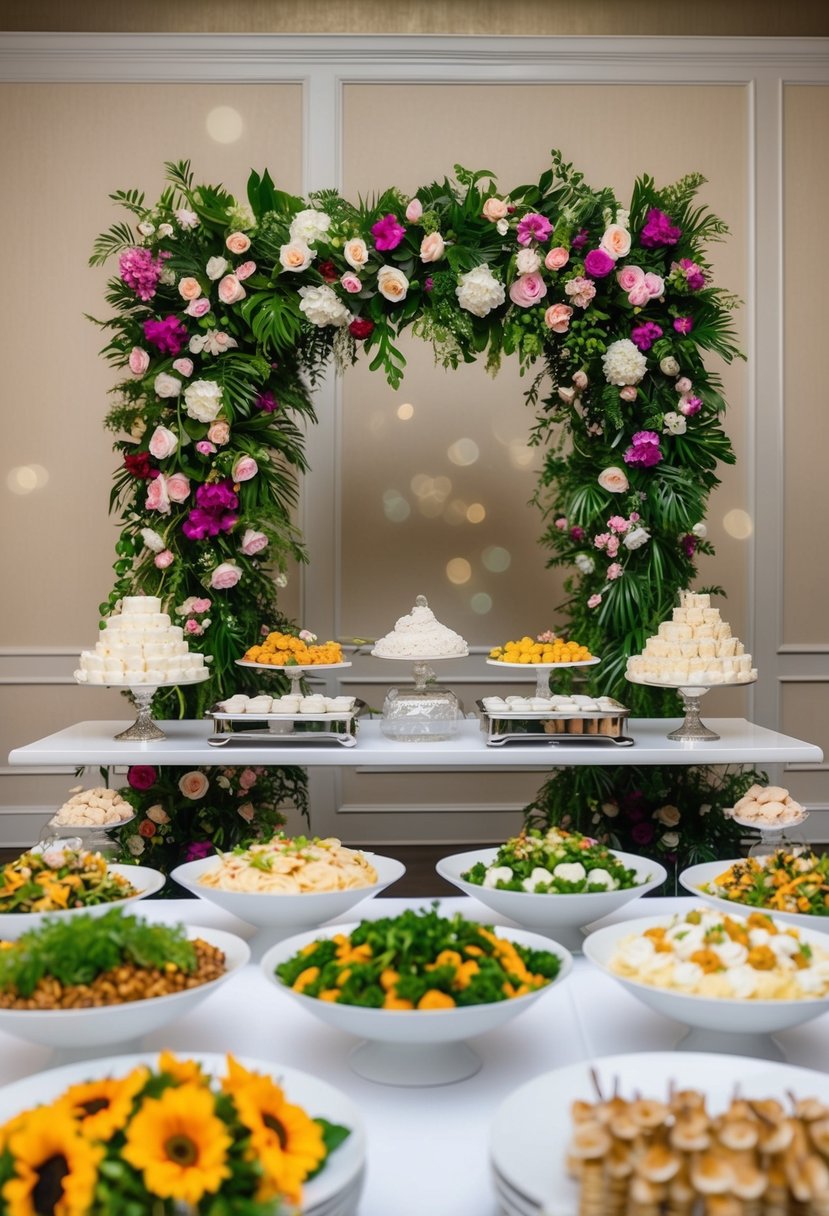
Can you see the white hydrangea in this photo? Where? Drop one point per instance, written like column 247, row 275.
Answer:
column 478, row 291
column 322, row 306
column 585, row 563
column 309, row 226
column 203, row 400
column 624, row 363
column 152, row 540
column 636, row 538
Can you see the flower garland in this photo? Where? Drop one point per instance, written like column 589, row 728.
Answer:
column 164, row 1141
column 227, row 313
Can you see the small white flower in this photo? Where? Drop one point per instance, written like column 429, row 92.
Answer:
column 700, row 531
column 322, row 306
column 309, row 226
column 185, row 218
column 145, row 228
column 281, row 580
column 166, row 385
column 635, row 538
column 674, row 423
column 152, row 540
column 670, row 839
column 135, row 845
column 165, row 229
column 585, row 563
column 215, row 268
column 502, row 227
column 527, row 261
column 478, row 291
column 669, row 366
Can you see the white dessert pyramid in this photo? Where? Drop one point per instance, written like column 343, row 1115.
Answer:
column 139, row 645
column 418, row 635
column 695, row 646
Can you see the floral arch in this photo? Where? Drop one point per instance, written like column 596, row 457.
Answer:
column 228, row 312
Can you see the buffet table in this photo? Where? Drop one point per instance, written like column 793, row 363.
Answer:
column 740, row 742
column 427, row 1147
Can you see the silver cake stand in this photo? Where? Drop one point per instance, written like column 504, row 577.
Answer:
column 692, row 729
column 143, row 729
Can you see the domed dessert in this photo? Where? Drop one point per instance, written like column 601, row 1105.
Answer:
column 418, row 635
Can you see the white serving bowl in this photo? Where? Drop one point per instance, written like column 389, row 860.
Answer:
column 145, row 880
column 278, row 910
column 695, row 877
column 414, row 1047
column 557, row 916
column 106, row 1025
column 752, row 1020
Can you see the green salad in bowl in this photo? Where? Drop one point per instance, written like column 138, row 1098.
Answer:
column 553, row 862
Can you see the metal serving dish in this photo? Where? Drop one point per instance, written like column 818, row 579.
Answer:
column 599, row 727
column 338, row 727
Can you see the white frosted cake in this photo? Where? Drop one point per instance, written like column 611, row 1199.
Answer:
column 140, row 645
column 420, row 636
column 694, row 647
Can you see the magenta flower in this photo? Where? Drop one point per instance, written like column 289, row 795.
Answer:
column 644, row 450
column 642, row 833
column 266, row 402
column 580, row 239
column 197, row 849
column 659, row 230
column 214, row 512
column 683, row 325
column 141, row 776
column 598, row 264
column 141, row 271
column 533, row 227
column 689, row 405
column 169, row 336
column 689, row 544
column 387, row 232
column 577, row 534
column 645, row 335
column 694, row 275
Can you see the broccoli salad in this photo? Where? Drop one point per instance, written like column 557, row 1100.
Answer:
column 555, row 862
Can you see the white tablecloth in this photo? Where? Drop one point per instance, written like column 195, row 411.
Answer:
column 427, row 1148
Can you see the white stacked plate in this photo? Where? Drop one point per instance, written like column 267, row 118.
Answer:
column 335, row 1191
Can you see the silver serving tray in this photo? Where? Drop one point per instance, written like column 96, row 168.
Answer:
column 501, row 727
column 282, row 728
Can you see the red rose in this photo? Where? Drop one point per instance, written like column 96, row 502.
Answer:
column 146, row 828
column 141, row 776
column 328, row 271
column 361, row 327
column 138, row 464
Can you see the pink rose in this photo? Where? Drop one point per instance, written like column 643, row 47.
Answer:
column 194, row 784
column 247, row 779
column 245, row 270
column 557, row 318
column 178, row 487
column 219, row 432
column 162, row 443
column 139, row 361
column 198, row 308
column 157, row 497
column 629, row 276
column 638, row 296
column 683, row 385
column 205, row 448
column 628, row 393
column 594, row 601
column 225, row 576
column 414, row 210
column 189, row 288
column 528, row 290
column 556, row 258
column 184, row 367
column 614, row 570
column 193, row 628
column 580, row 380
column 199, row 605
column 164, row 559
column 231, row 290
column 615, row 241
column 614, row 480
column 238, row 243
column 351, row 283
column 655, row 285
column 432, row 247
column 253, row 542
column 494, row 209
column 244, row 469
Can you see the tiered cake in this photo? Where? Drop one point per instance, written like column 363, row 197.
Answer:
column 139, row 645
column 694, row 647
column 420, row 636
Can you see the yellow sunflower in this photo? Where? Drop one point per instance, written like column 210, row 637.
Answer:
column 181, row 1070
column 179, row 1144
column 288, row 1143
column 55, row 1167
column 102, row 1108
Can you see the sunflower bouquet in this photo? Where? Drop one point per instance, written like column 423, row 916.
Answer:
column 169, row 1141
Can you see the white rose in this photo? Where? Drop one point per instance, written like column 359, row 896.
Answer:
column 669, row 366
column 392, row 284
column 355, row 253
column 146, row 229
column 166, row 386
column 215, row 268
column 674, row 423
column 635, row 538
column 322, row 306
column 613, row 479
column 295, row 256
column 185, row 218
column 585, row 563
column 203, row 400
column 502, row 227
column 309, row 226
column 135, row 845
column 670, row 839
column 700, row 531
column 152, row 540
column 527, row 261
column 165, row 229
column 478, row 291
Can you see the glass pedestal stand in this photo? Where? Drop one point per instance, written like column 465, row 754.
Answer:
column 692, row 728
column 143, row 728
column 773, row 837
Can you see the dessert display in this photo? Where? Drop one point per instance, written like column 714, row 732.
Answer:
column 294, row 650
column 295, row 717
column 265, row 705
column 694, row 648
column 547, row 648
column 60, row 879
column 767, row 807
column 419, row 635
column 538, row 717
column 417, row 961
column 783, row 881
column 95, row 808
column 707, row 954
column 139, row 645
column 102, row 960
column 556, row 862
column 673, row 1155
column 291, row 866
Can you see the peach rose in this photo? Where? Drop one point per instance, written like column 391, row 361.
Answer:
column 231, row 290
column 615, row 241
column 392, row 284
column 556, row 258
column 219, row 432
column 178, row 487
column 432, row 247
column 296, row 256
column 355, row 253
column 194, row 785
column 189, row 288
column 614, row 480
column 557, row 318
column 494, row 209
column 238, row 243
column 158, row 814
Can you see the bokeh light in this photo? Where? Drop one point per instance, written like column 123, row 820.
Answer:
column 496, row 559
column 476, row 513
column 458, row 571
column 463, row 452
column 405, row 411
column 738, row 523
column 481, row 603
column 224, row 124
column 26, row 478
column 395, row 507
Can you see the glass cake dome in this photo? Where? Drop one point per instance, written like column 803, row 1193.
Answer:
column 425, row 712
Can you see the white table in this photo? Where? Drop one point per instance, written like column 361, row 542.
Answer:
column 740, row 742
column 427, row 1148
